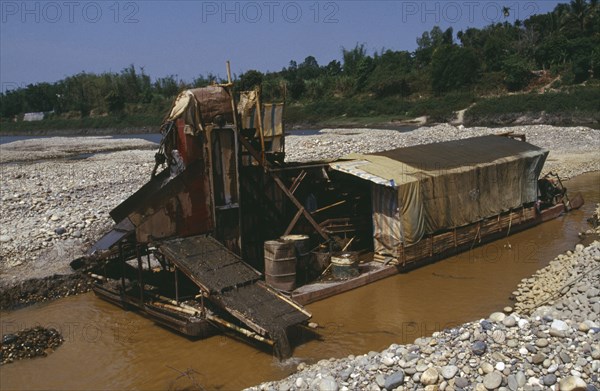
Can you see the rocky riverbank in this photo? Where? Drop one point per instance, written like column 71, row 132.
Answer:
column 29, row 343
column 53, row 210
column 550, row 341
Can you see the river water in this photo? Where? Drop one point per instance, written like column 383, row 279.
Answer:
column 108, row 348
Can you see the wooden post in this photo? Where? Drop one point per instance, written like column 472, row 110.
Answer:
column 260, row 127
column 290, row 227
column 229, row 85
column 431, row 244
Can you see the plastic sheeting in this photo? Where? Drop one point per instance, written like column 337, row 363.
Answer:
column 446, row 185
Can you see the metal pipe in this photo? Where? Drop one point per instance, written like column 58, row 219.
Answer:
column 176, row 286
column 122, row 268
column 140, row 280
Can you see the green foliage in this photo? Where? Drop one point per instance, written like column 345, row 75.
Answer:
column 115, row 102
column 249, row 80
column 453, row 67
column 577, row 100
column 517, row 72
column 440, row 76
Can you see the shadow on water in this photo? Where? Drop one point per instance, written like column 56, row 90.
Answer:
column 107, row 348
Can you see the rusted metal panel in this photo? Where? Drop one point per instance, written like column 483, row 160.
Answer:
column 178, row 206
column 190, row 147
column 124, row 228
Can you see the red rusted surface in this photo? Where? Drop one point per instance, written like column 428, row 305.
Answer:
column 190, row 147
column 181, row 207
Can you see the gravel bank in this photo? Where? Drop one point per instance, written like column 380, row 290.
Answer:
column 29, row 343
column 53, row 210
column 557, row 347
column 66, row 147
column 573, row 151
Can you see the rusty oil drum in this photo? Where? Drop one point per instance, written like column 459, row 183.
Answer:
column 304, row 256
column 280, row 264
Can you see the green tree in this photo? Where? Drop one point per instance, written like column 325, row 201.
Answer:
column 249, row 80
column 517, row 72
column 453, row 67
column 115, row 102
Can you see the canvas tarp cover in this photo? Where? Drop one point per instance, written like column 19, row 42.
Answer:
column 429, row 188
column 199, row 106
column 272, row 120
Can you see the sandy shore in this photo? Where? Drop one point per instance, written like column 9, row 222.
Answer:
column 54, row 207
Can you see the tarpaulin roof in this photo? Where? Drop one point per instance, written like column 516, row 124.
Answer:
column 446, row 185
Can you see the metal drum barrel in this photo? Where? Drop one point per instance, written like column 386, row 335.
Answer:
column 344, row 265
column 303, row 255
column 280, row 264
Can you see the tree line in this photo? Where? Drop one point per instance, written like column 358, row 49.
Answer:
column 563, row 45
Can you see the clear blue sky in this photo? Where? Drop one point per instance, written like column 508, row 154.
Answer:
column 49, row 40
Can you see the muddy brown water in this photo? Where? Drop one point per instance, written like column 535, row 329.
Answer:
column 107, row 348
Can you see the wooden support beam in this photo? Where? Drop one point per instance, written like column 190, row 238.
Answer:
column 260, row 127
column 300, row 207
column 297, row 181
column 330, row 206
column 176, row 286
column 293, row 223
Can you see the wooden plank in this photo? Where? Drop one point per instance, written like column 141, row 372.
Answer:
column 292, row 224
column 324, row 290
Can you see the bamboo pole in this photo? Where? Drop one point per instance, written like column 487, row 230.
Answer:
column 290, row 302
column 330, row 206
column 260, row 126
column 213, row 318
column 228, row 86
column 348, row 244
